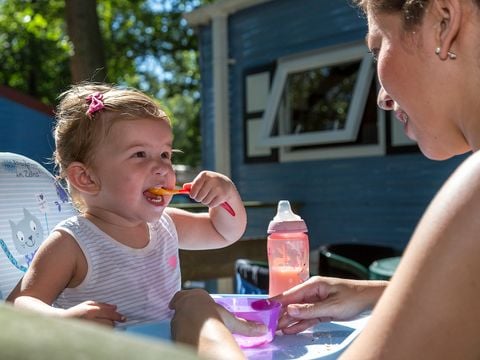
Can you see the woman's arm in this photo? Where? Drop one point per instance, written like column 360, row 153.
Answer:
column 430, row 309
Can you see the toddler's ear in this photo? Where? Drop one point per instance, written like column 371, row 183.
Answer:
column 81, row 178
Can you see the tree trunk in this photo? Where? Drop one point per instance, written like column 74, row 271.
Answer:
column 88, row 60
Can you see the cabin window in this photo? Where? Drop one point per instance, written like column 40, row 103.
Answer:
column 317, row 105
column 257, row 84
column 320, row 105
column 318, row 98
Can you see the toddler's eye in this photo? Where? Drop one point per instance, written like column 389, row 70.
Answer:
column 140, row 154
column 166, row 155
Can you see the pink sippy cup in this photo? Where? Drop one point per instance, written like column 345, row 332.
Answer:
column 288, row 250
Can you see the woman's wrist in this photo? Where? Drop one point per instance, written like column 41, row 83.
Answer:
column 373, row 290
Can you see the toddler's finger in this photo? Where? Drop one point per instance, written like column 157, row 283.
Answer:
column 247, row 328
column 240, row 326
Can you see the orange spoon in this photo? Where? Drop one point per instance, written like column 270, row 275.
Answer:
column 186, row 190
column 162, row 191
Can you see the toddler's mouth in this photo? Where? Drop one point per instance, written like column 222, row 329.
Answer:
column 154, row 196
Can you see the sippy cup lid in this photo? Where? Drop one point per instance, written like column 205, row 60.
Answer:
column 286, row 220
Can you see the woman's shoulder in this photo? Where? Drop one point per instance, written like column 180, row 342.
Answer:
column 465, row 180
column 471, row 161
column 456, row 206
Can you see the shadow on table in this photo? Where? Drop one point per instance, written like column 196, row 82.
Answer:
column 324, row 341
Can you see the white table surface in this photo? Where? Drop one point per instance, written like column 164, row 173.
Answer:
column 322, row 341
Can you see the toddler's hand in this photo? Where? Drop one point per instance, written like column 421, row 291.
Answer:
column 211, row 188
column 197, row 307
column 95, row 311
column 240, row 326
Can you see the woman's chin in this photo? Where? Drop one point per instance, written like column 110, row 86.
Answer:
column 434, row 153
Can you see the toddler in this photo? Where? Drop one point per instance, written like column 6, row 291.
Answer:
column 117, row 261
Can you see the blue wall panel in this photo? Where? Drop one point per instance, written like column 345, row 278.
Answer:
column 26, row 131
column 371, row 199
column 263, row 33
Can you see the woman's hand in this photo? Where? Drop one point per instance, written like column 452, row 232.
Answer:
column 326, row 299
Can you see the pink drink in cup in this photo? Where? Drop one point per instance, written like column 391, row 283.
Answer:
column 285, row 277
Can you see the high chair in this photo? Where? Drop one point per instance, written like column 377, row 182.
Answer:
column 32, row 202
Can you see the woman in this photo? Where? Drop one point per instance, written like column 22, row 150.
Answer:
column 427, row 54
column 428, row 65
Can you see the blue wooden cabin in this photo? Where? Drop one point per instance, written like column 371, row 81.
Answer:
column 289, row 112
column 26, row 126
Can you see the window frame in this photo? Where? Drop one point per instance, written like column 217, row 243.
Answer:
column 331, row 56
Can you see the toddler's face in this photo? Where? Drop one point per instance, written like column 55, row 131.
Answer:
column 134, row 156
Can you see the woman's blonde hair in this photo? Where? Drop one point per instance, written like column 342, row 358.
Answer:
column 78, row 131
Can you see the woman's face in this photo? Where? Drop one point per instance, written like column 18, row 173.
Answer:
column 413, row 85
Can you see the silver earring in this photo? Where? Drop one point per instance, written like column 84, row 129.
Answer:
column 451, row 55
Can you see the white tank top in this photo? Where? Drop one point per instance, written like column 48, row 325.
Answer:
column 141, row 282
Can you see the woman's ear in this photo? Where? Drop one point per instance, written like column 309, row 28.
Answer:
column 449, row 15
column 82, row 178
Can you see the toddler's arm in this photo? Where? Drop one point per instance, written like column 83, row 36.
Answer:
column 199, row 323
column 98, row 312
column 217, row 228
column 56, row 266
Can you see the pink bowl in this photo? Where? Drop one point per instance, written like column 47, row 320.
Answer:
column 254, row 309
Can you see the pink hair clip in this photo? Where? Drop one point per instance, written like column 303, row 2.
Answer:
column 96, row 103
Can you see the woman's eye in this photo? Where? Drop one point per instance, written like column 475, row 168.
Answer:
column 140, row 154
column 374, row 53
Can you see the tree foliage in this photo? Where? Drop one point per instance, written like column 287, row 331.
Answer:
column 147, row 44
column 34, row 49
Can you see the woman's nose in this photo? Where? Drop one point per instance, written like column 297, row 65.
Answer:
column 384, row 100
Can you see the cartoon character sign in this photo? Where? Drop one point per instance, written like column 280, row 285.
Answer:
column 31, row 202
column 27, row 235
